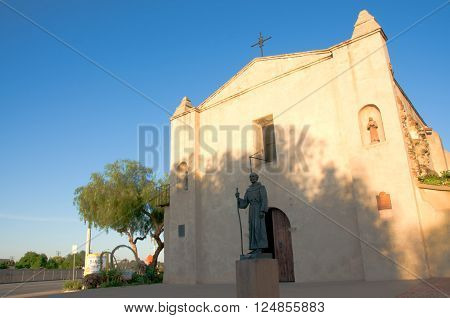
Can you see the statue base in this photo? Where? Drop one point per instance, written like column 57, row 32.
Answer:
column 256, row 255
column 257, row 278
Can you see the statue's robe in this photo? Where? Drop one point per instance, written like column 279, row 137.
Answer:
column 256, row 196
column 372, row 128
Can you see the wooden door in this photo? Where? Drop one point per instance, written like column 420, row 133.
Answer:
column 282, row 245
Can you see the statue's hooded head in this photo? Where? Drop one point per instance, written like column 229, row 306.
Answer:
column 253, row 177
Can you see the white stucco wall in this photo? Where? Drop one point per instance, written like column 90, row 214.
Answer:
column 329, row 185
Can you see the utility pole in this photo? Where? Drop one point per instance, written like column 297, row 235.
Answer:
column 88, row 240
column 74, row 253
column 88, row 248
column 260, row 42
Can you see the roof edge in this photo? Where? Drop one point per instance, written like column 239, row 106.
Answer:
column 409, row 101
column 289, row 55
column 260, row 59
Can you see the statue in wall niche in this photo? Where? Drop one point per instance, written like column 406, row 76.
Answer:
column 256, row 197
column 372, row 127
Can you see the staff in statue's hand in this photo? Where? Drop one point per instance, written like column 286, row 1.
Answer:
column 240, row 223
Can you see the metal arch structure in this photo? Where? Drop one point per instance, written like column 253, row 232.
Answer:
column 121, row 246
column 113, row 259
column 101, row 258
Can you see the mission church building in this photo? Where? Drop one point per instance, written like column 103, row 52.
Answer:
column 338, row 146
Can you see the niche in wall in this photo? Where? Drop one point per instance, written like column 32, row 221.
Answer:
column 182, row 176
column 371, row 125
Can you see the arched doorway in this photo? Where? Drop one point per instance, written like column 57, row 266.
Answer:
column 280, row 243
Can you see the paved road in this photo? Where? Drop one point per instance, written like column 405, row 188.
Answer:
column 31, row 289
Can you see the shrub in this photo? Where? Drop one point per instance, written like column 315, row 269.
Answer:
column 73, row 285
column 112, row 278
column 138, row 279
column 93, row 280
column 434, row 179
column 150, row 276
column 3, row 265
column 154, row 274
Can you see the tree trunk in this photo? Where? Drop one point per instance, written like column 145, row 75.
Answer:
column 156, row 237
column 132, row 244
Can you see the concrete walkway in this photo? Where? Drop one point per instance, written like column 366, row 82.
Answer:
column 298, row 290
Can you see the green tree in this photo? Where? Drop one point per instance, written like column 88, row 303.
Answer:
column 79, row 260
column 32, row 260
column 55, row 262
column 121, row 199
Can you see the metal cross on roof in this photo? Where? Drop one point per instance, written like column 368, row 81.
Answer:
column 260, row 42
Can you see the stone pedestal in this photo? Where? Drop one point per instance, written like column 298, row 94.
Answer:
column 257, row 278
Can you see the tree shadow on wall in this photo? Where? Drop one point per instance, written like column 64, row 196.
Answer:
column 337, row 231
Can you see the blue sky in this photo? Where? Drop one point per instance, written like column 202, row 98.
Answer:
column 62, row 118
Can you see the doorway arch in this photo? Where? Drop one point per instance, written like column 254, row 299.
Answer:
column 280, row 243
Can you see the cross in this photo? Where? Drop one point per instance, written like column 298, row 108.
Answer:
column 260, row 42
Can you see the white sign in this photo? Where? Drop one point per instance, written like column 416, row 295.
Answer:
column 93, row 263
column 74, row 249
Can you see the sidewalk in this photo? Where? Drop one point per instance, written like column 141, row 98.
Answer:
column 348, row 289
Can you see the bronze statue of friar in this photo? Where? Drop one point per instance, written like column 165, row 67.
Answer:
column 256, row 197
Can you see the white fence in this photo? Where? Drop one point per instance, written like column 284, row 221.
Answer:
column 36, row 275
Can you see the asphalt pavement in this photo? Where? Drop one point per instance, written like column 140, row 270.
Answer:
column 31, row 289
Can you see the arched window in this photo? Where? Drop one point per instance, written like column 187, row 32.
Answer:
column 182, row 176
column 371, row 125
